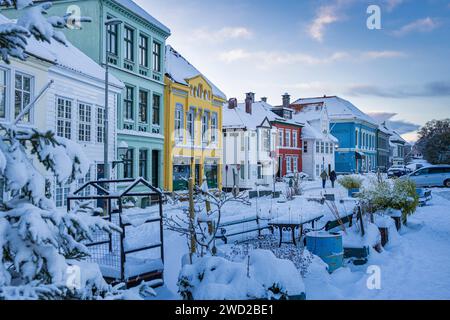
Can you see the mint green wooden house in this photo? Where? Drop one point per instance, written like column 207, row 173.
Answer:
column 136, row 53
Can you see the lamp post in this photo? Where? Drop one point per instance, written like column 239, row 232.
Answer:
column 109, row 23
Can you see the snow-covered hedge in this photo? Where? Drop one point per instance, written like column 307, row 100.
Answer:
column 260, row 276
column 351, row 181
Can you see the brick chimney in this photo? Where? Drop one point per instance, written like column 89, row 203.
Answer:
column 249, row 99
column 232, row 103
column 286, row 100
column 264, row 99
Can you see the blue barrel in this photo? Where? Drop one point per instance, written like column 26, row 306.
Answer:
column 328, row 246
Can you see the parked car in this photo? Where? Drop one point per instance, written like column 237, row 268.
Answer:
column 432, row 176
column 397, row 171
column 290, row 176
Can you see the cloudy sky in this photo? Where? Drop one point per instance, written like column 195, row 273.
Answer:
column 311, row 48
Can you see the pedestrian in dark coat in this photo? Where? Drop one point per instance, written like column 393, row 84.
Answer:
column 324, row 176
column 333, row 178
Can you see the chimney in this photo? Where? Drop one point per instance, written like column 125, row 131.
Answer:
column 286, row 100
column 251, row 96
column 264, row 99
column 249, row 99
column 232, row 103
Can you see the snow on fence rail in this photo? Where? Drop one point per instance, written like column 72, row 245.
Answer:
column 137, row 253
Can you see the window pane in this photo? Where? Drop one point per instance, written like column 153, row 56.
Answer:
column 156, row 109
column 2, row 93
column 143, row 106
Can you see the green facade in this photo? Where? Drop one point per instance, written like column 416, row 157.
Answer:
column 91, row 39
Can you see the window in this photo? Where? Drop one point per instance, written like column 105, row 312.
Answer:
column 327, row 148
column 305, row 146
column 156, row 109
column 61, row 194
column 128, row 164
column 22, row 95
column 322, row 147
column 63, row 118
column 295, row 163
column 179, row 125
column 242, row 170
column 143, row 51
column 242, row 134
column 288, row 138
column 100, row 125
column 143, row 164
column 288, row 164
column 190, row 122
column 143, row 106
column 317, row 170
column 129, row 103
column 295, row 138
column 214, row 128
column 129, row 44
column 266, row 140
column 317, row 146
column 84, row 120
column 156, row 57
column 356, row 138
column 3, row 80
column 281, row 138
column 205, row 127
column 112, row 39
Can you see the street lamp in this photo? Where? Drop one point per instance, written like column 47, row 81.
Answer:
column 109, row 23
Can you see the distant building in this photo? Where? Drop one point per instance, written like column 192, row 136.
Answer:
column 193, row 125
column 250, row 144
column 319, row 145
column 397, row 153
column 355, row 131
column 383, row 147
column 289, row 142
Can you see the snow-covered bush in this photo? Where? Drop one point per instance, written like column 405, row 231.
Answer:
column 32, row 22
column 39, row 244
column 383, row 195
column 351, row 182
column 260, row 276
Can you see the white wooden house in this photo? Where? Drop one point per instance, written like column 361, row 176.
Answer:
column 249, row 140
column 73, row 105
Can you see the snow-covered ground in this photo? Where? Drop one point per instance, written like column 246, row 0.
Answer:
column 414, row 265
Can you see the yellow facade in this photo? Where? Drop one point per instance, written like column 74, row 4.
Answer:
column 201, row 155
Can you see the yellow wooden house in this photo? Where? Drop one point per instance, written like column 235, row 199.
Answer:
column 193, row 126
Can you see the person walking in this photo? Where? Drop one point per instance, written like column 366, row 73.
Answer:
column 333, row 178
column 324, row 176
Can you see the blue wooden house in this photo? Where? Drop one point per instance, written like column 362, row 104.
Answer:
column 355, row 130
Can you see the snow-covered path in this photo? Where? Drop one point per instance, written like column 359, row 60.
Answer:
column 415, row 265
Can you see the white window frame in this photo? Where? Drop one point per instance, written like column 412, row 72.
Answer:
column 288, row 138
column 30, row 113
column 317, row 147
column 295, row 138
column 7, row 87
column 190, row 125
column 179, row 124
column 214, row 128
column 305, row 146
column 281, row 137
column 84, row 122
column 66, row 122
column 288, row 164
column 295, row 164
column 100, row 125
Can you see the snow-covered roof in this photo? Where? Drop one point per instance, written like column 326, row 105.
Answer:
column 179, row 70
column 138, row 10
column 67, row 57
column 309, row 132
column 339, row 109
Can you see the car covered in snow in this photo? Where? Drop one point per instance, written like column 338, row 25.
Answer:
column 431, row 176
column 291, row 176
column 398, row 171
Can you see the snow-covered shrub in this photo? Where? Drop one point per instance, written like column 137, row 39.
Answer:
column 260, row 276
column 351, row 181
column 383, row 195
column 38, row 243
column 405, row 198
